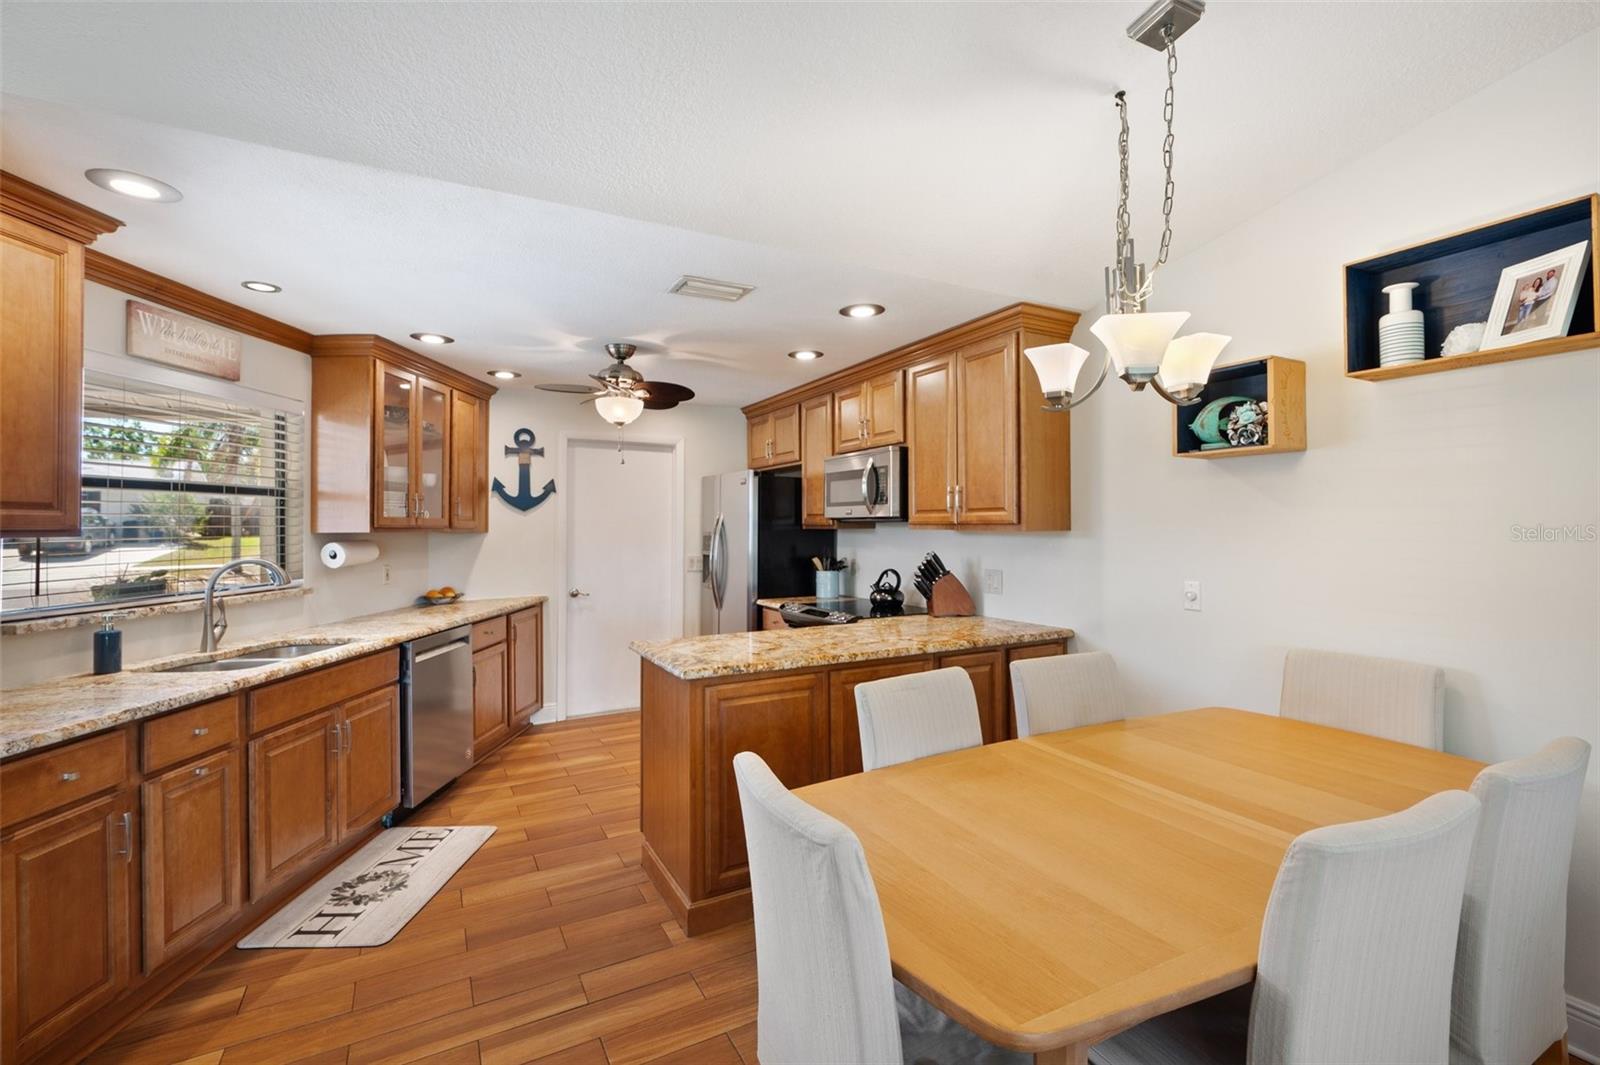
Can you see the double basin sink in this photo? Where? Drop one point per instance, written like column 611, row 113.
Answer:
column 254, row 659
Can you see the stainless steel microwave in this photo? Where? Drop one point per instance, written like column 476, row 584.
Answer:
column 865, row 485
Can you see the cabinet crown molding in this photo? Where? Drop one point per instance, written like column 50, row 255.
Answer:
column 370, row 345
column 1035, row 317
column 22, row 199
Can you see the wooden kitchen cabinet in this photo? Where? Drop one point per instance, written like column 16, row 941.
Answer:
column 42, row 236
column 774, row 438
column 525, row 665
column 294, row 780
column 369, row 767
column 67, row 897
column 489, row 718
column 816, row 446
column 931, row 429
column 991, row 684
column 870, row 413
column 385, row 450
column 193, row 852
column 986, row 433
column 844, row 732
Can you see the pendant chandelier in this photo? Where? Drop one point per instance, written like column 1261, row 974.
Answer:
column 1142, row 347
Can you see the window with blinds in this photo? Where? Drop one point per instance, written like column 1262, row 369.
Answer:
column 174, row 484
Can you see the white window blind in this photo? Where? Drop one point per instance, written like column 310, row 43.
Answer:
column 174, row 484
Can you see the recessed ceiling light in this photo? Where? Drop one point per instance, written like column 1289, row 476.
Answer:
column 137, row 186
column 505, row 375
column 433, row 338
column 862, row 310
column 805, row 355
column 261, row 286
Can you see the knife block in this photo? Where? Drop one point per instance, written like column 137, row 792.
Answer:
column 950, row 598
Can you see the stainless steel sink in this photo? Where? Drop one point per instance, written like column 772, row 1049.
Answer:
column 255, row 658
column 288, row 650
column 221, row 665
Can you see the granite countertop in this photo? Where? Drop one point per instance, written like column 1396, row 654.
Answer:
column 58, row 710
column 774, row 650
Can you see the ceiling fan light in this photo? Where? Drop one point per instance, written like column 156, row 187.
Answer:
column 1187, row 364
column 1058, row 367
column 1137, row 342
column 618, row 408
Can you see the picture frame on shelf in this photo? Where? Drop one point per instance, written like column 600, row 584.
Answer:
column 1535, row 298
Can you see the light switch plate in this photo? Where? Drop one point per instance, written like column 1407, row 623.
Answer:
column 994, row 581
column 386, row 574
column 1191, row 595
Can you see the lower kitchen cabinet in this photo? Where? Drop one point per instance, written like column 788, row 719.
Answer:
column 193, row 853
column 369, row 771
column 525, row 662
column 990, row 683
column 67, row 897
column 294, row 778
column 844, row 730
column 489, row 719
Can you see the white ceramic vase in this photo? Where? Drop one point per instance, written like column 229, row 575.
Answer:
column 1400, row 331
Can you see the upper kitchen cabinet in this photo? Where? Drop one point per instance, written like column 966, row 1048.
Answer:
column 398, row 441
column 816, row 444
column 870, row 413
column 981, row 450
column 42, row 237
column 775, row 438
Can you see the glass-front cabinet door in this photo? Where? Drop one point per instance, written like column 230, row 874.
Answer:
column 397, row 404
column 433, row 455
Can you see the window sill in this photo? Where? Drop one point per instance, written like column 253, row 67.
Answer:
column 83, row 618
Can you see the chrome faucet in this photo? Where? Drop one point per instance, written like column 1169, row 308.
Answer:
column 212, row 635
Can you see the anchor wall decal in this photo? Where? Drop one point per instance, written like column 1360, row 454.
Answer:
column 523, row 448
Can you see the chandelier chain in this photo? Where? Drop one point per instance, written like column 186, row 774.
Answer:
column 1126, row 295
column 1166, row 146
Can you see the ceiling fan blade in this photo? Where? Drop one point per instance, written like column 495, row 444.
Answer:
column 666, row 391
column 653, row 403
column 574, row 390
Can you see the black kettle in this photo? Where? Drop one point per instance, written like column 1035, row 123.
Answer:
column 886, row 595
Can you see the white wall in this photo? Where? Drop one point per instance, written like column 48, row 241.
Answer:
column 522, row 552
column 1391, row 535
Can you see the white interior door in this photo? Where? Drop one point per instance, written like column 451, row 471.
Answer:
column 622, row 530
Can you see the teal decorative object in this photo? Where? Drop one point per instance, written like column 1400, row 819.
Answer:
column 1208, row 425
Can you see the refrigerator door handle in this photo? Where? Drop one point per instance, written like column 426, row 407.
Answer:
column 719, row 561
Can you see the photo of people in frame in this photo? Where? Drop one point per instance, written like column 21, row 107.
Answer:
column 1533, row 297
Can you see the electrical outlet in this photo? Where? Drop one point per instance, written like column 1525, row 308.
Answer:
column 386, row 573
column 994, row 581
column 1191, row 596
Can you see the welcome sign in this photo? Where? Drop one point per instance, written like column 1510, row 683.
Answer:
column 187, row 343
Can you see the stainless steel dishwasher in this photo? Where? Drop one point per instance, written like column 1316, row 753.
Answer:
column 436, row 713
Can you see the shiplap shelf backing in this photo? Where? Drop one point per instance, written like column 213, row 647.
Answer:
column 1456, row 277
column 1279, row 381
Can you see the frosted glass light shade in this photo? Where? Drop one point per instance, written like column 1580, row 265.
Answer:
column 1058, row 367
column 1188, row 361
column 1137, row 342
column 619, row 410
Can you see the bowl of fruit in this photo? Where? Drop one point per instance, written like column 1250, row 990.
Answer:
column 438, row 596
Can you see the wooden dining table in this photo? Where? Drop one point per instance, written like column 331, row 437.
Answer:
column 1050, row 892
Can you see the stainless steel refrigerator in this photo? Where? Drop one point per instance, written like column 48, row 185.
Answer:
column 753, row 546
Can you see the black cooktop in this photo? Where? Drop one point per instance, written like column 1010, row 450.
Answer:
column 840, row 612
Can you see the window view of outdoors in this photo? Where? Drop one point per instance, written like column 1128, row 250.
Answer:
column 174, row 484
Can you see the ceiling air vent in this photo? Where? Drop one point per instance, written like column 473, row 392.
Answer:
column 707, row 289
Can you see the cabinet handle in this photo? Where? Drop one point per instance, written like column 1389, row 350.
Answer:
column 201, row 770
column 334, row 729
column 125, row 852
column 201, row 731
column 348, row 741
column 958, row 503
column 949, row 499
column 68, row 778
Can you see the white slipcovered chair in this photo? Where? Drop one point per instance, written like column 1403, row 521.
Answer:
column 1356, row 953
column 1510, row 997
column 1066, row 691
column 1383, row 697
column 825, row 993
column 917, row 715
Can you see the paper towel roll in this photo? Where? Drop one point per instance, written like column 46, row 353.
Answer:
column 356, row 553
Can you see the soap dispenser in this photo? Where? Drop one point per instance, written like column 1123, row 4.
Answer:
column 108, row 646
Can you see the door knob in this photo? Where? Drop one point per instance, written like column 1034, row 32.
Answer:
column 575, row 594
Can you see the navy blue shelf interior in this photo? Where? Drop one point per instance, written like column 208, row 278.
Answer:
column 1247, row 379
column 1457, row 277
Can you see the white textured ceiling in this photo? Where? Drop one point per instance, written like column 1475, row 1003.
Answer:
column 941, row 159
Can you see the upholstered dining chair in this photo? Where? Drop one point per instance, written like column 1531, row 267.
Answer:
column 917, row 715
column 1383, row 697
column 1066, row 691
column 1510, row 1002
column 1356, row 953
column 824, row 988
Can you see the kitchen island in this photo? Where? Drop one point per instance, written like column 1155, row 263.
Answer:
column 789, row 696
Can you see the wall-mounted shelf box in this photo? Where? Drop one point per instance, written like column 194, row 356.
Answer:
column 1279, row 381
column 1457, row 276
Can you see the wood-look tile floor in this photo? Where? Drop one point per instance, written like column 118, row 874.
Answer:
column 548, row 946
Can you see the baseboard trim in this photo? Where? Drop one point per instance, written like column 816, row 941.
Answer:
column 1583, row 1029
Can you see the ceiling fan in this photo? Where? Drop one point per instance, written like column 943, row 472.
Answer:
column 620, row 393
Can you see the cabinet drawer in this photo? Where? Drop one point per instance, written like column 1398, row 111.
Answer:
column 174, row 738
column 275, row 704
column 48, row 781
column 488, row 633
